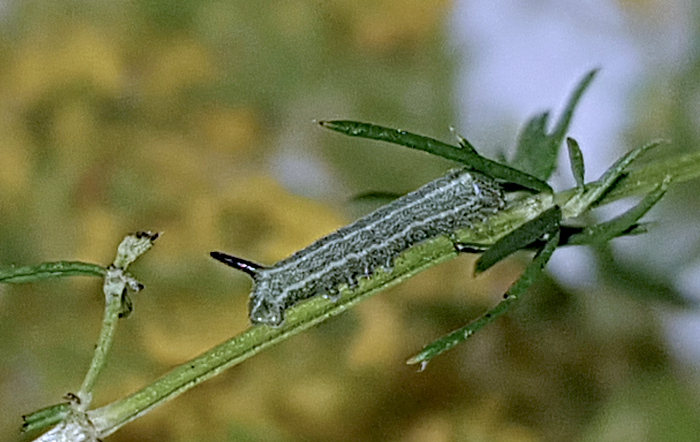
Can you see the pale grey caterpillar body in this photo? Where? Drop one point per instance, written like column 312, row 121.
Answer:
column 455, row 201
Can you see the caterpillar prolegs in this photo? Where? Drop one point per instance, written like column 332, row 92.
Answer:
column 455, row 201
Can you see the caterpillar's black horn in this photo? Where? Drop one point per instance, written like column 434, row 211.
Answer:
column 243, row 265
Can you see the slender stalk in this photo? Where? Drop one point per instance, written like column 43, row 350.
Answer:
column 113, row 288
column 48, row 270
column 116, row 286
column 514, row 294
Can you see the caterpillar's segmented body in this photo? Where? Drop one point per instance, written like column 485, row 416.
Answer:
column 455, row 201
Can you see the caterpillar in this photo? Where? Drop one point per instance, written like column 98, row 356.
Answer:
column 455, row 201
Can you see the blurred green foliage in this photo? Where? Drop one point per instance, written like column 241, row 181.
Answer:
column 170, row 115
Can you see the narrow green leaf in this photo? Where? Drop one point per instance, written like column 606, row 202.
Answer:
column 49, row 270
column 577, row 233
column 395, row 136
column 643, row 180
column 618, row 168
column 537, row 150
column 606, row 231
column 577, row 166
column 562, row 126
column 519, row 239
column 533, row 139
column 581, row 202
column 466, row 156
column 516, row 291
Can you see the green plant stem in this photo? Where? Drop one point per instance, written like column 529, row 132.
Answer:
column 644, row 180
column 45, row 417
column 71, row 416
column 116, row 286
column 48, row 270
column 113, row 288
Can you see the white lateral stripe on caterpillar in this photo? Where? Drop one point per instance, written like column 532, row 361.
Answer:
column 359, row 226
column 455, row 201
column 374, row 247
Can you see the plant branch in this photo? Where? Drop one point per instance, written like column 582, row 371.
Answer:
column 117, row 304
column 71, row 416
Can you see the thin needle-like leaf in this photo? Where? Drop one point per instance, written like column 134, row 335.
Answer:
column 537, row 150
column 519, row 239
column 606, row 231
column 577, row 166
column 466, row 156
column 640, row 181
column 516, row 291
column 562, row 126
column 580, row 203
column 533, row 140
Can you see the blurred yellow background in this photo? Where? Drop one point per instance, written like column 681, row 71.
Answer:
column 195, row 118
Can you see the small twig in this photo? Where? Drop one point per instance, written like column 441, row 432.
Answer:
column 72, row 415
column 514, row 294
column 116, row 286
